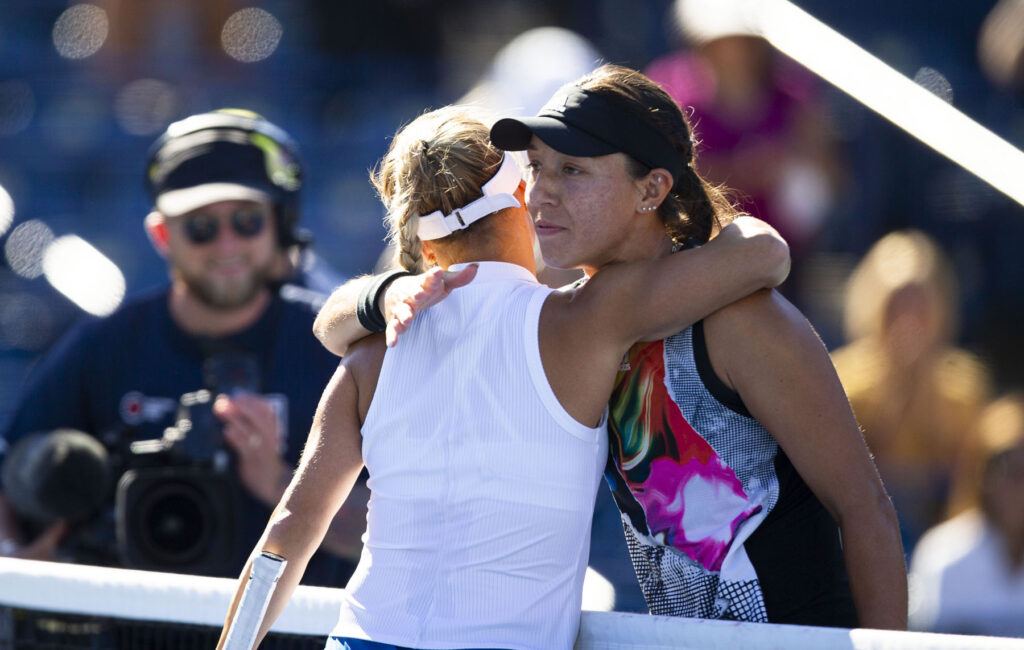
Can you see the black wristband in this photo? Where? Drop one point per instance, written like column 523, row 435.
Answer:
column 368, row 307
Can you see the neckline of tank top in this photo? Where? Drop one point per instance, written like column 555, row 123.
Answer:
column 496, row 271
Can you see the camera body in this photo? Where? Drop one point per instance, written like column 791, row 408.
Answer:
column 177, row 502
column 176, row 505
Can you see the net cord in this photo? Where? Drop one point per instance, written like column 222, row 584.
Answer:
column 142, row 595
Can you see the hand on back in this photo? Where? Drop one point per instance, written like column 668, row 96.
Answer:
column 409, row 295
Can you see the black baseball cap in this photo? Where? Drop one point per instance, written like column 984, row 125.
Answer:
column 579, row 122
column 220, row 156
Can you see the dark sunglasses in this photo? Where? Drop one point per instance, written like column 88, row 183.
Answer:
column 203, row 228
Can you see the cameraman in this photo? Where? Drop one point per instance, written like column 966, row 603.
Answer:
column 225, row 187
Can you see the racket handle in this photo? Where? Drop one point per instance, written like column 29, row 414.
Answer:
column 266, row 571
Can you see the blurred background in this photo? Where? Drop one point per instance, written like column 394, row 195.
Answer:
column 86, row 88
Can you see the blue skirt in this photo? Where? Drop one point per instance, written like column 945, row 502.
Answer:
column 344, row 643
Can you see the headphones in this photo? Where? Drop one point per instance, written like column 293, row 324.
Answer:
column 283, row 168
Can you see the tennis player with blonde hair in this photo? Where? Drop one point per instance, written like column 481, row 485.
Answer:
column 484, row 433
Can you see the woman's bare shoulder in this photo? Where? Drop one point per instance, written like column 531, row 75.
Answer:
column 762, row 314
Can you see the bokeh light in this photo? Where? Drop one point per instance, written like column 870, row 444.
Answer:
column 598, row 592
column 935, row 82
column 84, row 275
column 26, row 322
column 251, row 35
column 146, row 106
column 6, row 211
column 530, row 68
column 1001, row 44
column 17, row 106
column 707, row 20
column 80, row 31
column 25, row 247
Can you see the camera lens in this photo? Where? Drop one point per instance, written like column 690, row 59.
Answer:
column 181, row 519
column 174, row 523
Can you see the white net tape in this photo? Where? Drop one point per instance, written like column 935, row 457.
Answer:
column 142, row 595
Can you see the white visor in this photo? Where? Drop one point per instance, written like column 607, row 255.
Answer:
column 178, row 202
column 498, row 194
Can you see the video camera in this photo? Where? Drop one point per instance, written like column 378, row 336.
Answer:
column 176, row 500
column 176, row 506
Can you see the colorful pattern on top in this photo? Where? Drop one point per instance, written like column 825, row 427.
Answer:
column 691, row 499
column 686, row 510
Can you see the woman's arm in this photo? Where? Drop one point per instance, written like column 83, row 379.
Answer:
column 767, row 351
column 337, row 326
column 652, row 299
column 585, row 332
column 330, row 465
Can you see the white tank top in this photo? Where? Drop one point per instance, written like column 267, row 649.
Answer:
column 482, row 485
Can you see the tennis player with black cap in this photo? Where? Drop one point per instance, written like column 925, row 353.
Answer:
column 751, row 429
column 746, row 489
column 224, row 186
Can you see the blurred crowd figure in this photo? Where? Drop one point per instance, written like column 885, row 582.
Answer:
column 759, row 122
column 915, row 394
column 967, row 574
column 1001, row 44
column 187, row 32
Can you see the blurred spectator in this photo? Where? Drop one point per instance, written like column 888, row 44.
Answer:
column 1001, row 44
column 238, row 355
column 758, row 119
column 527, row 71
column 968, row 573
column 161, row 31
column 137, row 26
column 915, row 395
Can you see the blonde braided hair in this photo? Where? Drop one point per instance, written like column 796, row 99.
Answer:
column 439, row 161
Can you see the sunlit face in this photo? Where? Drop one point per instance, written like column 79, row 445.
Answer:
column 913, row 324
column 229, row 262
column 1003, row 491
column 582, row 208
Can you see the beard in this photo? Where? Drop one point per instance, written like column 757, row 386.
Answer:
column 225, row 295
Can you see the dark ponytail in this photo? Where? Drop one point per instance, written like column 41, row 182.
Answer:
column 699, row 201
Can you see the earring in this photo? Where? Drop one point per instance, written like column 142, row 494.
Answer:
column 648, row 208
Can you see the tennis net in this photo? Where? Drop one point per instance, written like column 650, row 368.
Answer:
column 52, row 606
